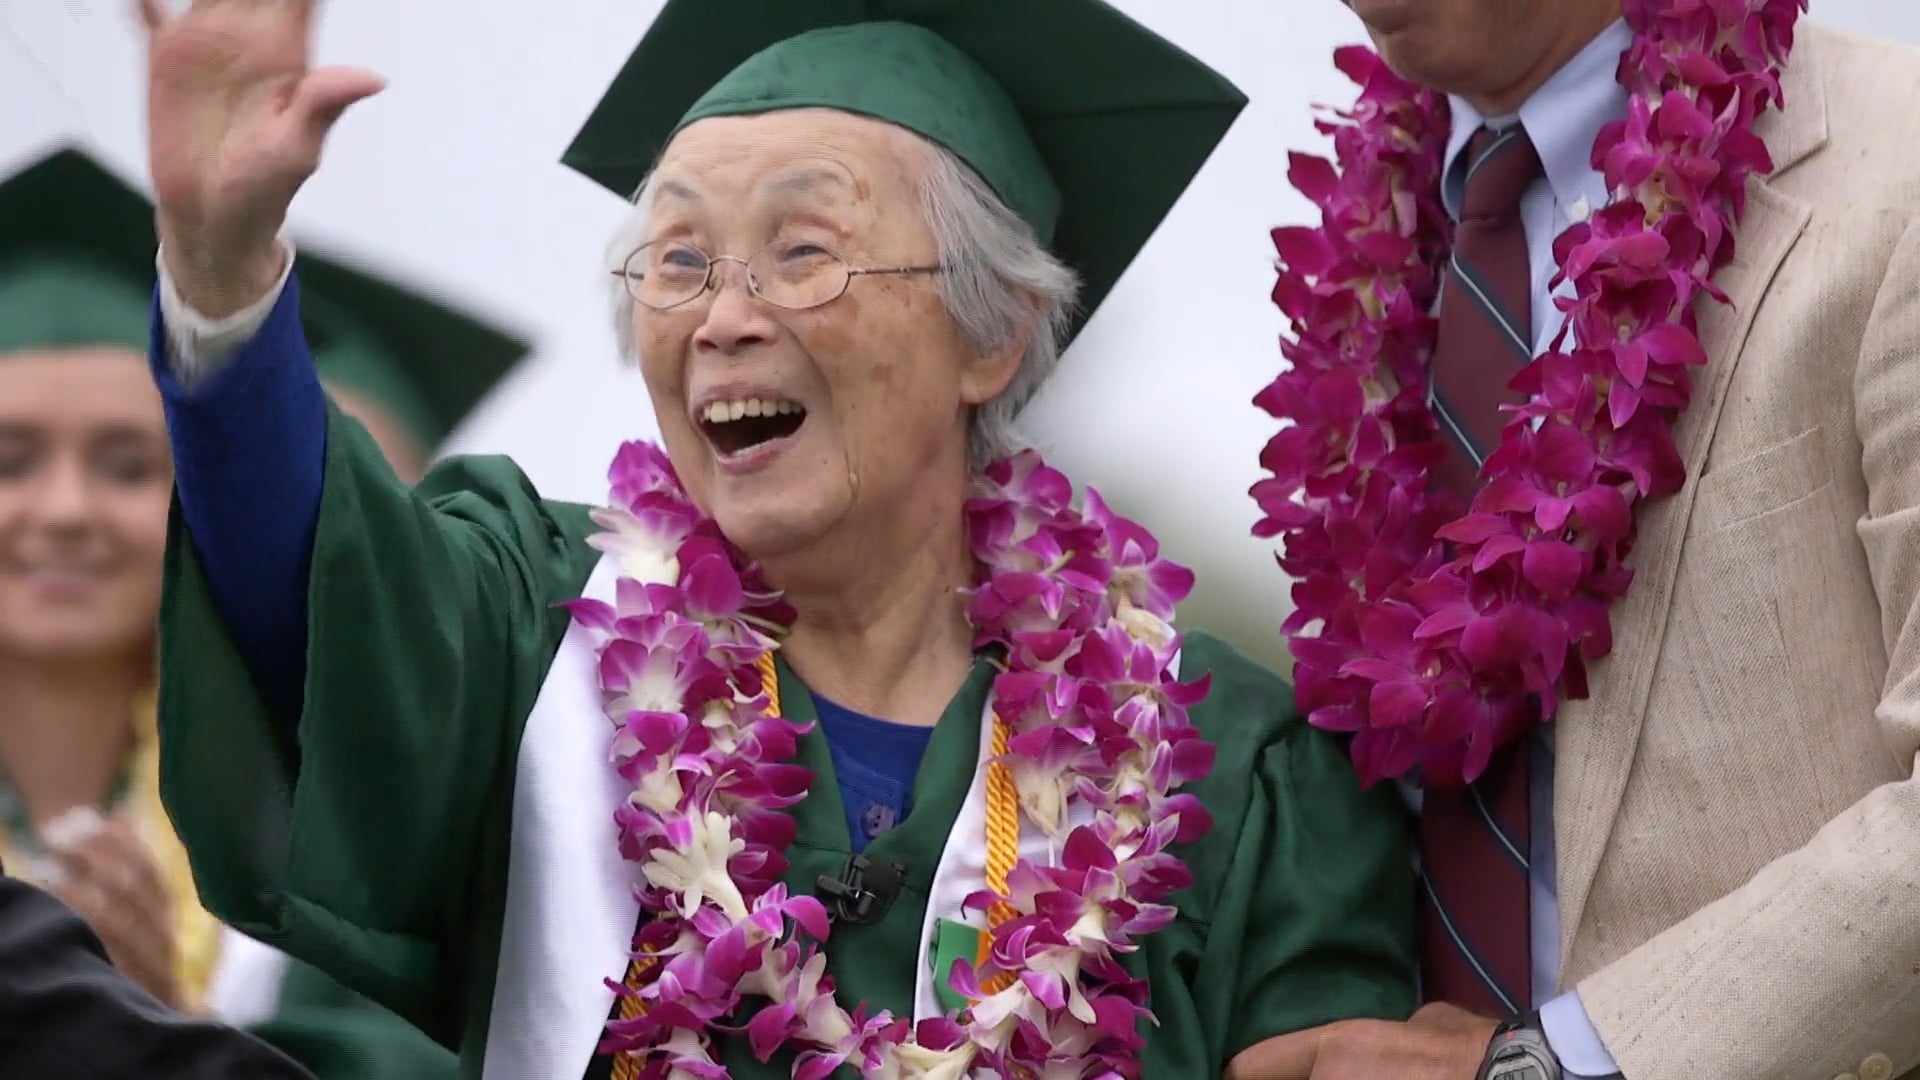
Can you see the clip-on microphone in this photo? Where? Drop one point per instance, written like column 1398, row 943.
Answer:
column 864, row 890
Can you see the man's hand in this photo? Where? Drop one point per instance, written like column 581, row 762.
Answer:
column 235, row 123
column 109, row 878
column 1441, row 1042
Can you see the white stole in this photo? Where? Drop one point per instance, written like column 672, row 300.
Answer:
column 963, row 871
column 571, row 912
column 245, row 989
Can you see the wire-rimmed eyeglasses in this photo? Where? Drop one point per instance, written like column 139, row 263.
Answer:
column 792, row 274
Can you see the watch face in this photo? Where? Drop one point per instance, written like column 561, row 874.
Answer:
column 1518, row 1058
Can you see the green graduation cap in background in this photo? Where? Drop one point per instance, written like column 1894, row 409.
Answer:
column 76, row 258
column 425, row 362
column 77, row 251
column 1083, row 121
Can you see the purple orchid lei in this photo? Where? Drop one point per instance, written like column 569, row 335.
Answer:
column 1436, row 637
column 1079, row 605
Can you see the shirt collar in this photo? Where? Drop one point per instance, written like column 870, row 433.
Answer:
column 1563, row 118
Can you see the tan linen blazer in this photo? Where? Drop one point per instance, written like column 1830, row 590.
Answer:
column 1737, row 819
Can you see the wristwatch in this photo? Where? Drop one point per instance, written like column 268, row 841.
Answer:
column 1519, row 1051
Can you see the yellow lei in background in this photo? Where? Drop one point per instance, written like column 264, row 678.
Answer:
column 196, row 933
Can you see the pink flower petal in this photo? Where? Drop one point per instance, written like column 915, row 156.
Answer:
column 1553, row 566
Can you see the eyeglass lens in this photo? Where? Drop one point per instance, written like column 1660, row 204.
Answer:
column 786, row 273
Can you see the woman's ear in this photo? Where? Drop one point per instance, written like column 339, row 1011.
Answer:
column 990, row 374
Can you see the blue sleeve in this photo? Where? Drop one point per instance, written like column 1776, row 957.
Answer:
column 249, row 450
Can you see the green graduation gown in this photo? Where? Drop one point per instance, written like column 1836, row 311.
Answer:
column 340, row 1035
column 434, row 829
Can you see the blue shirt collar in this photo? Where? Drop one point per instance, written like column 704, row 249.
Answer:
column 1563, row 118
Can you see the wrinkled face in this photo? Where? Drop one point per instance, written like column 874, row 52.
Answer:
column 792, row 428
column 1482, row 50
column 85, row 480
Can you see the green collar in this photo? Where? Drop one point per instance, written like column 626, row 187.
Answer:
column 939, row 788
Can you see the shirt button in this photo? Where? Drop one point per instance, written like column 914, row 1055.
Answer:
column 1877, row 1067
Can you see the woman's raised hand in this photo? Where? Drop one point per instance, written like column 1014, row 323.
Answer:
column 236, row 119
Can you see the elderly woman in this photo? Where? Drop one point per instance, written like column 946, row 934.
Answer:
column 85, row 484
column 839, row 741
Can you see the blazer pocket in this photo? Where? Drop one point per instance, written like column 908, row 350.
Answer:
column 1759, row 483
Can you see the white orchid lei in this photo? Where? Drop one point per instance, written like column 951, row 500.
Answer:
column 1079, row 604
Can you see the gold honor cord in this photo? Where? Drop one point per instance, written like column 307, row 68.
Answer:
column 1003, row 850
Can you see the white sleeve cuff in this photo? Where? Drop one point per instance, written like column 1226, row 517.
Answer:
column 198, row 346
column 1573, row 1039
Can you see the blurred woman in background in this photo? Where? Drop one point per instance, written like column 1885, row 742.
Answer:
column 86, row 479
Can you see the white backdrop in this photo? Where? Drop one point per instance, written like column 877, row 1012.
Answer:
column 450, row 180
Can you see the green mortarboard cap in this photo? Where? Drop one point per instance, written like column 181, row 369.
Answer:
column 426, row 363
column 76, row 257
column 1083, row 121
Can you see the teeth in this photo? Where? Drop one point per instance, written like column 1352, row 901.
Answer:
column 721, row 412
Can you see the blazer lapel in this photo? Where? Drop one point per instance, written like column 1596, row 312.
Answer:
column 1595, row 739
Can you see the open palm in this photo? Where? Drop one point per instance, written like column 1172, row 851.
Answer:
column 236, row 116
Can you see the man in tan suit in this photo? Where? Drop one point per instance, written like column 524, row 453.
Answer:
column 1729, row 887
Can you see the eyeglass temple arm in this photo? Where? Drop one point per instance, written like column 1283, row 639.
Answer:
column 855, row 271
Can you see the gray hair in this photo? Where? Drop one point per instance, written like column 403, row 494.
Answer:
column 1000, row 284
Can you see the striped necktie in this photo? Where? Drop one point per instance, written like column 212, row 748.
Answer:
column 1474, row 842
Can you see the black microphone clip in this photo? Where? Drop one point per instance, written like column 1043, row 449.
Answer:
column 864, row 890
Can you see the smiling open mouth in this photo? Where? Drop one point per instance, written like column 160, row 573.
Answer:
column 734, row 427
